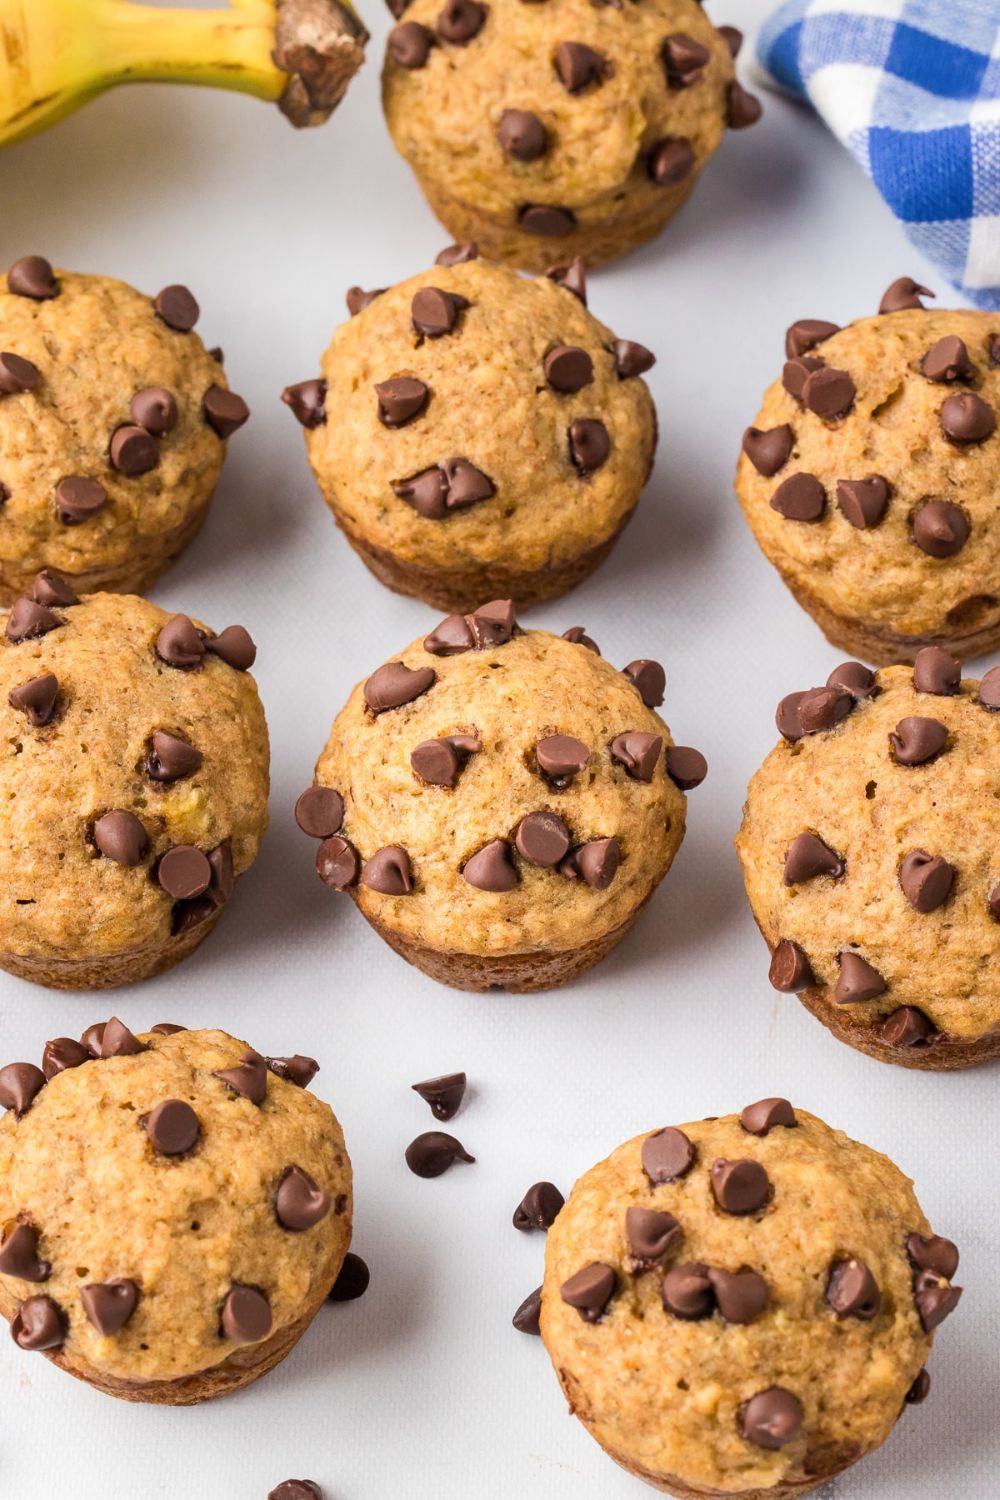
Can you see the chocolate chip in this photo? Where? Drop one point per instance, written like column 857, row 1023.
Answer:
column 666, row 1155
column 17, row 375
column 79, row 498
column 684, row 60
column 769, row 449
column 733, row 38
column 32, row 276
column 579, row 66
column 809, row 857
column 246, row 1315
column 62, row 1053
column 740, row 1187
column 935, row 1301
column 800, row 497
column 492, row 624
column 989, row 690
column 993, row 349
column 568, row 369
column 907, row 1027
column 36, row 698
column 571, row 277
column 108, row 1305
column 687, row 768
column 91, row 1038
column 337, row 863
column 177, row 308
column 180, row 644
column 171, row 758
column 356, row 299
column 650, row 1234
column 39, row 1324
column 307, row 401
column 561, row 756
column 687, row 1292
column 20, row 1082
column 400, row 400
column 433, row 1153
column 49, row 588
column 444, row 1094
column 852, row 1291
column 542, row 839
column 300, row 1203
column 439, row 762
column 933, row 1253
column 546, row 219
column 742, row 107
column 460, row 21
column 172, row 1127
column 863, row 502
column 590, row 1291
column 803, row 336
column 936, row 671
column 858, row 980
column 444, row 487
column 539, row 1207
column 184, row 872
column 649, row 678
column 120, row 836
column 903, row 294
column 19, row 1255
column 589, row 444
column 670, row 161
column 795, row 373
column 154, row 409
column 639, row 753
column 741, row 1296
column 771, row 1419
column 491, row 868
column 352, row 1280
column 940, row 529
column 790, row 969
column 296, row 1069
column 766, row 1114
column 824, row 708
column 434, row 312
column 234, row 646
column 247, row 1078
column 947, row 361
column 224, row 411
column 926, row 880
column 919, row 1390
column 457, row 255
column 526, row 1319
column 967, row 418
column 395, row 685
column 388, row 872
column 597, row 862
column 916, row 740
column 409, row 45
column 319, row 812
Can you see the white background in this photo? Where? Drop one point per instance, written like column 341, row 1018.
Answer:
column 422, row 1389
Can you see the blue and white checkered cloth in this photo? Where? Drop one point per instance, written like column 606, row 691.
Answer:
column 912, row 88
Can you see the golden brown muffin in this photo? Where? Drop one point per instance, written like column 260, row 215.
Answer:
column 742, row 1306
column 133, row 791
column 564, row 126
column 871, row 853
column 869, row 477
column 488, row 435
column 500, row 803
column 174, row 1209
column 113, row 428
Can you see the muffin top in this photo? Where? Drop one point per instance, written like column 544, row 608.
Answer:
column 742, row 1300
column 477, row 415
column 171, row 1197
column 500, row 791
column 112, row 418
column 134, row 784
column 869, row 474
column 544, row 114
column 871, row 845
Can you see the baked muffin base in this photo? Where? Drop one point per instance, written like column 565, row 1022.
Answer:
column 113, row 969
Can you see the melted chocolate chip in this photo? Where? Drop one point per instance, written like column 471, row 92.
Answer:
column 687, row 1292
column 172, row 1127
column 79, row 498
column 917, row 740
column 650, row 1234
column 491, row 868
column 39, row 1324
column 439, row 762
column 62, row 1053
column 542, row 839
column 522, row 135
column 181, row 644
column 17, row 375
column 771, row 1419
column 589, row 445
column 19, row 1255
column 460, row 21
column 936, row 671
column 940, row 529
column 902, row 294
column 296, row 1069
column 809, row 857
column 434, row 1152
column 108, row 1305
column 36, row 698
column 740, row 1187
column 933, row 1253
column 967, row 418
column 170, row 758
column 154, row 409
column 568, row 369
column 858, row 980
column 395, row 685
column 639, row 753
column 246, row 1315
column 444, row 1094
column 650, row 680
column 763, row 1117
column 27, row 621
column 120, row 836
column 547, row 219
column 800, row 497
column 184, row 872
column 740, row 1296
column 248, row 1078
column 560, row 757
column 863, row 502
column 307, row 402
column 854, row 678
column 769, row 449
column 590, row 1290
column 907, row 1027
column 790, row 969
column 852, row 1291
column 947, row 361
column 927, row 880
column 32, row 276
column 666, row 1155
column 388, row 872
column 299, row 1203
column 579, row 66
column 20, row 1083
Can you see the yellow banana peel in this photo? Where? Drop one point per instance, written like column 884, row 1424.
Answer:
column 56, row 54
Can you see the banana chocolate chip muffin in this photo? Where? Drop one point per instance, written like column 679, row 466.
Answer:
column 871, row 853
column 500, row 803
column 487, row 434
column 133, row 788
column 113, row 427
column 869, row 477
column 174, row 1209
column 564, row 124
column 743, row 1306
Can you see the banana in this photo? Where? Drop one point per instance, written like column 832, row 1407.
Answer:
column 57, row 54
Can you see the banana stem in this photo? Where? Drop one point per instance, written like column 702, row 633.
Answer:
column 226, row 48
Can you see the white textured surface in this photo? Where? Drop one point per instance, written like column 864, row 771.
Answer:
column 422, row 1389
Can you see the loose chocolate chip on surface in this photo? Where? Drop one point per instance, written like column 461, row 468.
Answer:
column 180, row 644
column 666, row 1155
column 62, row 1053
column 769, row 449
column 863, row 502
column 803, row 336
column 590, row 1290
column 684, row 60
column 649, row 678
column 388, row 871
column 947, row 361
column 589, row 444
column 409, row 45
column 926, row 880
column 20, row 1082
column 579, row 66
column 296, row 1069
column 39, row 1324
column 639, row 753
column 225, row 412
column 935, row 1301
column 670, row 161
column 394, row 685
column 352, row 1281
column 790, row 969
column 686, row 767
column 307, row 402
column 546, row 219
column 907, row 1027
column 435, row 312
column 933, row 1253
column 742, row 107
column 936, row 671
column 17, row 375
column 919, row 1390
column 762, row 1117
column 740, row 1187
column 49, row 588
column 989, row 690
column 539, row 1207
column 852, row 1291
column 300, row 1203
column 561, row 756
column 491, row 868
column 800, row 497
column 967, row 418
column 234, row 646
column 120, row 836
column 184, row 872
column 631, row 359
column 741, row 1296
column 460, row 21
column 32, row 276
column 172, row 1127
column 337, row 863
column 19, row 1255
column 171, row 758
column 572, row 277
column 457, row 255
column 858, row 980
column 854, row 678
column 902, row 294
column 526, row 1319
column 319, row 812
column 78, row 498
column 434, row 1152
column 439, row 762
column 444, row 1094
column 246, row 1315
column 821, row 709
column 248, row 1078
column 154, row 409
column 36, row 698
column 400, row 400
column 542, row 839
column 687, row 1292
column 772, row 1418
column 650, row 1235
column 177, row 308
column 568, row 369
column 917, row 740
column 108, row 1305
column 809, row 857
column 940, row 529
column 522, row 135
column 829, row 393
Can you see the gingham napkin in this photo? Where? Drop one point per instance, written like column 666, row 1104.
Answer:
column 912, row 89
